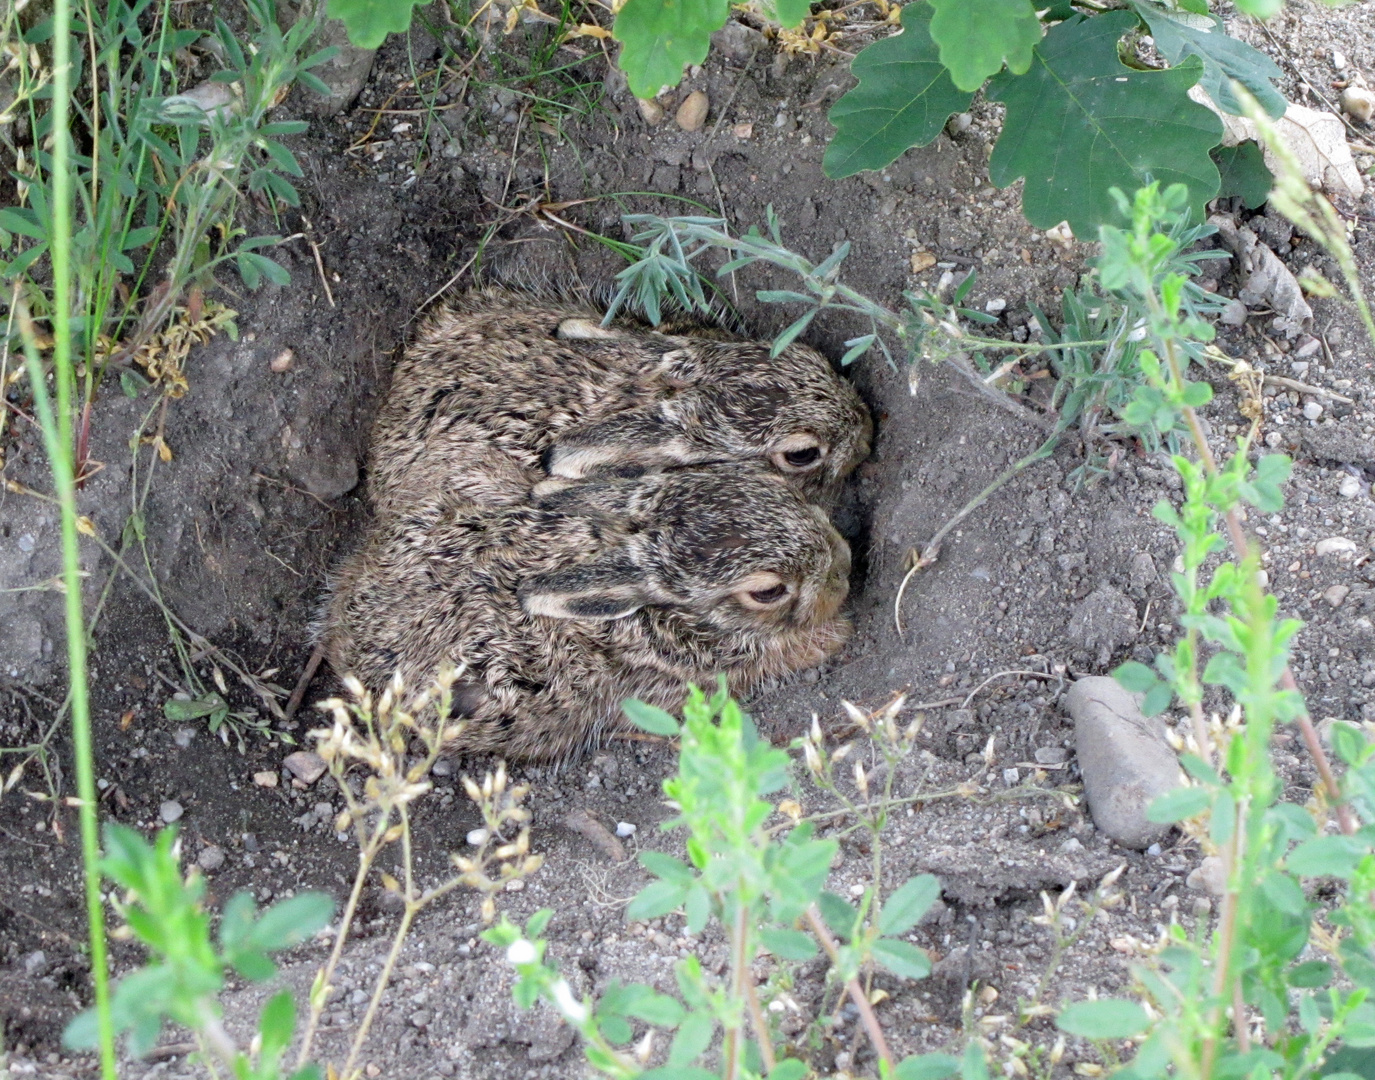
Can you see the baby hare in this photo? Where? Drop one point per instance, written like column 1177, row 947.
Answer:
column 539, row 388
column 599, row 591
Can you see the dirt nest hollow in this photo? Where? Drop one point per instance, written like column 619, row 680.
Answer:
column 1051, row 579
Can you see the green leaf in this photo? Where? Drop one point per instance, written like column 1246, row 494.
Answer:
column 1244, row 173
column 1135, row 676
column 694, row 1036
column 650, row 718
column 788, row 944
column 194, row 709
column 1311, row 974
column 1080, row 122
column 927, row 1067
column 790, row 334
column 977, row 36
column 837, row 913
column 904, row 909
column 902, row 958
column 661, row 37
column 791, row 1069
column 1106, row 1019
column 1179, row 36
column 1181, row 803
column 277, row 1024
column 1326, row 856
column 903, row 99
column 616, row 1030
column 135, row 238
column 789, row 13
column 256, row 267
column 667, row 867
column 22, row 220
column 655, row 899
column 369, row 21
column 654, row 1008
column 292, row 921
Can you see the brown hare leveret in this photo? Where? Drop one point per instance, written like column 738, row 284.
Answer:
column 601, row 591
column 555, row 393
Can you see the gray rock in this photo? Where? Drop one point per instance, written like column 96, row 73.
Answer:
column 307, row 767
column 1103, row 622
column 1124, row 758
column 1234, row 314
column 1051, row 755
column 170, row 811
column 737, row 41
column 1143, row 572
column 345, row 74
column 210, row 858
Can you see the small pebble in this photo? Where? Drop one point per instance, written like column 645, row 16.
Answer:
column 1339, row 546
column 1234, row 314
column 1349, row 488
column 1051, row 755
column 996, row 307
column 1011, row 777
column 692, row 113
column 282, row 361
column 307, row 767
column 1336, row 594
column 743, row 131
column 515, row 885
column 1154, row 849
column 477, row 837
column 1208, row 877
column 1312, row 411
column 170, row 811
column 1358, row 103
column 625, row 829
column 652, row 111
column 1309, row 346
column 266, row 778
column 210, row 858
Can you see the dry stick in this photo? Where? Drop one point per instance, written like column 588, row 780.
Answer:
column 761, row 1026
column 312, row 666
column 866, row 1012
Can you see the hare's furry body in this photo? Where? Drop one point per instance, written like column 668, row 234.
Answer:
column 533, row 387
column 610, row 590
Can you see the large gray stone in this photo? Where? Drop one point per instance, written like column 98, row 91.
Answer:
column 345, row 74
column 1124, row 758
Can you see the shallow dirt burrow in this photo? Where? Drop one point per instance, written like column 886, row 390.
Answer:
column 1048, row 580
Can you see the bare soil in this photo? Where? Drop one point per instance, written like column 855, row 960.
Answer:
column 1049, row 580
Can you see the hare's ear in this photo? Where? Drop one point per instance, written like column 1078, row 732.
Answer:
column 624, row 446
column 589, row 498
column 607, row 587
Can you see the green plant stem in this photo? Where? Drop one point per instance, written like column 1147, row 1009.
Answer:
column 1346, row 820
column 740, row 963
column 56, row 423
column 317, row 1008
column 866, row 1012
column 1226, row 936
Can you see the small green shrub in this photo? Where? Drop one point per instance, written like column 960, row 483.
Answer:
column 765, row 887
column 163, row 910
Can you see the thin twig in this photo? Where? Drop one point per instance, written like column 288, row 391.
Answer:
column 866, row 1012
column 320, row 266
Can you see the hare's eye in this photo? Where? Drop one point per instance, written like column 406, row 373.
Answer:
column 770, row 595
column 799, row 453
